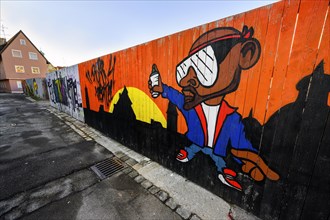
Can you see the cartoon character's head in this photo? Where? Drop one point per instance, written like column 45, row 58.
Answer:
column 214, row 64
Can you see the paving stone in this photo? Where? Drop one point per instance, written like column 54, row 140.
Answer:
column 162, row 196
column 170, row 203
column 146, row 184
column 124, row 158
column 139, row 179
column 137, row 166
column 154, row 189
column 127, row 170
column 133, row 174
column 195, row 217
column 131, row 162
column 184, row 213
column 120, row 154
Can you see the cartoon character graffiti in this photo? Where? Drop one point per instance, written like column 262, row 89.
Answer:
column 212, row 70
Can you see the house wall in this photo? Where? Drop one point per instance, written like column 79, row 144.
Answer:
column 4, row 86
column 9, row 61
column 272, row 130
column 11, row 85
column 16, row 85
column 2, row 69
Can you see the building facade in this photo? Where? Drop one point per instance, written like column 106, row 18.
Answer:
column 19, row 60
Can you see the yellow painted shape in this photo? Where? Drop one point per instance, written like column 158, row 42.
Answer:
column 143, row 106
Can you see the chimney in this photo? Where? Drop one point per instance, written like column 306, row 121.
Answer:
column 2, row 41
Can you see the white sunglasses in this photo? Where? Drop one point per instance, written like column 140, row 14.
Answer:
column 204, row 63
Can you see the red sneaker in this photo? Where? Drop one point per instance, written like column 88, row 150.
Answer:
column 182, row 156
column 229, row 172
column 227, row 178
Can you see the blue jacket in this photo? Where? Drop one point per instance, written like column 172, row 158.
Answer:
column 229, row 126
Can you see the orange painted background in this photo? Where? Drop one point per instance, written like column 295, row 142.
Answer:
column 294, row 38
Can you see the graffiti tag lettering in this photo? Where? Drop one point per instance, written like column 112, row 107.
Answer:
column 104, row 81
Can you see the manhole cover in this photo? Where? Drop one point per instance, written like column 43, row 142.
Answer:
column 108, row 167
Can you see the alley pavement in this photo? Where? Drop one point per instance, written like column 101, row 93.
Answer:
column 53, row 166
column 44, row 168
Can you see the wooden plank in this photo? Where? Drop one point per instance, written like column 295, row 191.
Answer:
column 305, row 47
column 317, row 202
column 286, row 40
column 228, row 22
column 156, row 60
column 211, row 25
column 323, row 53
column 269, row 50
column 178, row 55
column 116, row 72
column 260, row 30
column 273, row 193
column 252, row 79
column 224, row 192
column 221, row 23
column 238, row 22
column 239, row 94
column 163, row 45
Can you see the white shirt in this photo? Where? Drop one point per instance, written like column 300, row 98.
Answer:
column 211, row 113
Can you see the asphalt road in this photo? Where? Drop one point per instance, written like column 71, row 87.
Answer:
column 45, row 171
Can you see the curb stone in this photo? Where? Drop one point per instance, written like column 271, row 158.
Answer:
column 184, row 213
column 153, row 190
column 133, row 174
column 170, row 203
column 127, row 170
column 131, row 162
column 139, row 179
column 119, row 154
column 195, row 217
column 146, row 184
column 162, row 196
column 125, row 158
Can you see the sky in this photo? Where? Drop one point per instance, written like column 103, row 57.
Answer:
column 71, row 32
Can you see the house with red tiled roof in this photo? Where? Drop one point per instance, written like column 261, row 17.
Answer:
column 19, row 60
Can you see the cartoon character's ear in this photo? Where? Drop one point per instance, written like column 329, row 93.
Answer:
column 250, row 53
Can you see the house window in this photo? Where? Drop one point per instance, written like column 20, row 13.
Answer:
column 35, row 70
column 22, row 42
column 33, row 56
column 19, row 84
column 19, row 69
column 16, row 53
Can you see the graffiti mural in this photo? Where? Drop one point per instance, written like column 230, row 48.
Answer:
column 35, row 87
column 210, row 72
column 239, row 106
column 64, row 91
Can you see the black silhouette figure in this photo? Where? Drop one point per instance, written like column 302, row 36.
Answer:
column 294, row 141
